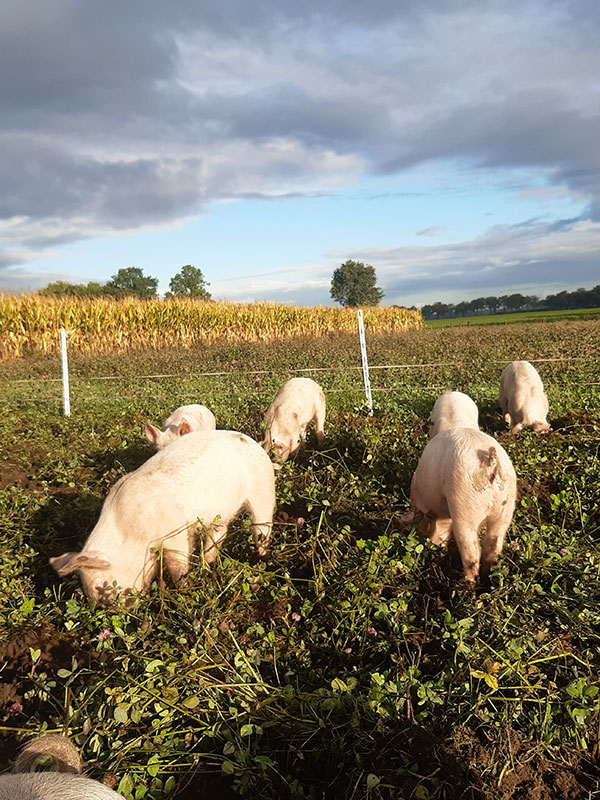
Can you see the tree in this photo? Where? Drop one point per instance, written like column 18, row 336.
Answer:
column 353, row 284
column 514, row 302
column 62, row 289
column 492, row 303
column 189, row 283
column 132, row 281
column 478, row 304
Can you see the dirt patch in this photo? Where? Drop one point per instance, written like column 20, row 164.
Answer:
column 12, row 475
column 461, row 765
column 56, row 651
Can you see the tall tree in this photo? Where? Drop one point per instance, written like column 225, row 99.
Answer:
column 132, row 281
column 353, row 284
column 189, row 283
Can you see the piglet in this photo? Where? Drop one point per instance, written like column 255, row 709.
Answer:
column 186, row 419
column 201, row 480
column 453, row 410
column 299, row 402
column 64, row 782
column 464, row 480
column 522, row 397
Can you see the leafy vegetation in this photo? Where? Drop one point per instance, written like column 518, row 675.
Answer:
column 189, row 283
column 353, row 284
column 355, row 663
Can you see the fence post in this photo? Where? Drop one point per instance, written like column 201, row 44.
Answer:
column 365, row 363
column 65, row 373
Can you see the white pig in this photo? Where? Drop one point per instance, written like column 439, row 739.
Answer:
column 63, row 783
column 464, row 480
column 522, row 397
column 186, row 419
column 453, row 410
column 204, row 477
column 299, row 402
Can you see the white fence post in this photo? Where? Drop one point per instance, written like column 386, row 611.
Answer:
column 365, row 363
column 65, row 373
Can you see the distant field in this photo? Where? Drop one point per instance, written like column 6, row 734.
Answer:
column 525, row 316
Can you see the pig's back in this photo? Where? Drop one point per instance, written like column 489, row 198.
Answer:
column 202, row 474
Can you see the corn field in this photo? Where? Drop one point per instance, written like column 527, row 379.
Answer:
column 30, row 324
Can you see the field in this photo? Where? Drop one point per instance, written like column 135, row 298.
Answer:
column 522, row 316
column 30, row 323
column 355, row 663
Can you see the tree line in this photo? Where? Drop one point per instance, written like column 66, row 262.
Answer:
column 509, row 303
column 131, row 281
column 352, row 284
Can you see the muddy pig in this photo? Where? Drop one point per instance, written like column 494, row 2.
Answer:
column 205, row 478
column 64, row 782
column 464, row 480
column 299, row 402
column 453, row 410
column 186, row 419
column 522, row 397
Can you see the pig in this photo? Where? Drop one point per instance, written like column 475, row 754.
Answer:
column 203, row 478
column 522, row 397
column 196, row 417
column 63, row 783
column 299, row 402
column 464, row 480
column 453, row 410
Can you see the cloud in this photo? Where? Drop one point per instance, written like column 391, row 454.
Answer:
column 119, row 116
column 537, row 258
column 433, row 230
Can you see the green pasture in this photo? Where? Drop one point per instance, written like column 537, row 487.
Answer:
column 522, row 316
column 355, row 663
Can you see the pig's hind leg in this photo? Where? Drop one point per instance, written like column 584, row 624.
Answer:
column 492, row 543
column 466, row 535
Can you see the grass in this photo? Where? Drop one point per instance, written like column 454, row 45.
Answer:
column 521, row 316
column 355, row 663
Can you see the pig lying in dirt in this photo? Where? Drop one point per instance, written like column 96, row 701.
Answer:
column 299, row 402
column 464, row 480
column 205, row 476
column 63, row 783
column 522, row 397
column 196, row 417
column 453, row 410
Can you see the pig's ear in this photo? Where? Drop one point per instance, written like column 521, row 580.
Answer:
column 151, row 432
column 69, row 562
column 184, row 427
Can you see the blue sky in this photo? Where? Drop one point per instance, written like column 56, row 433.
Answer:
column 455, row 150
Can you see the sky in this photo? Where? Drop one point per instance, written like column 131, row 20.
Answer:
column 454, row 146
